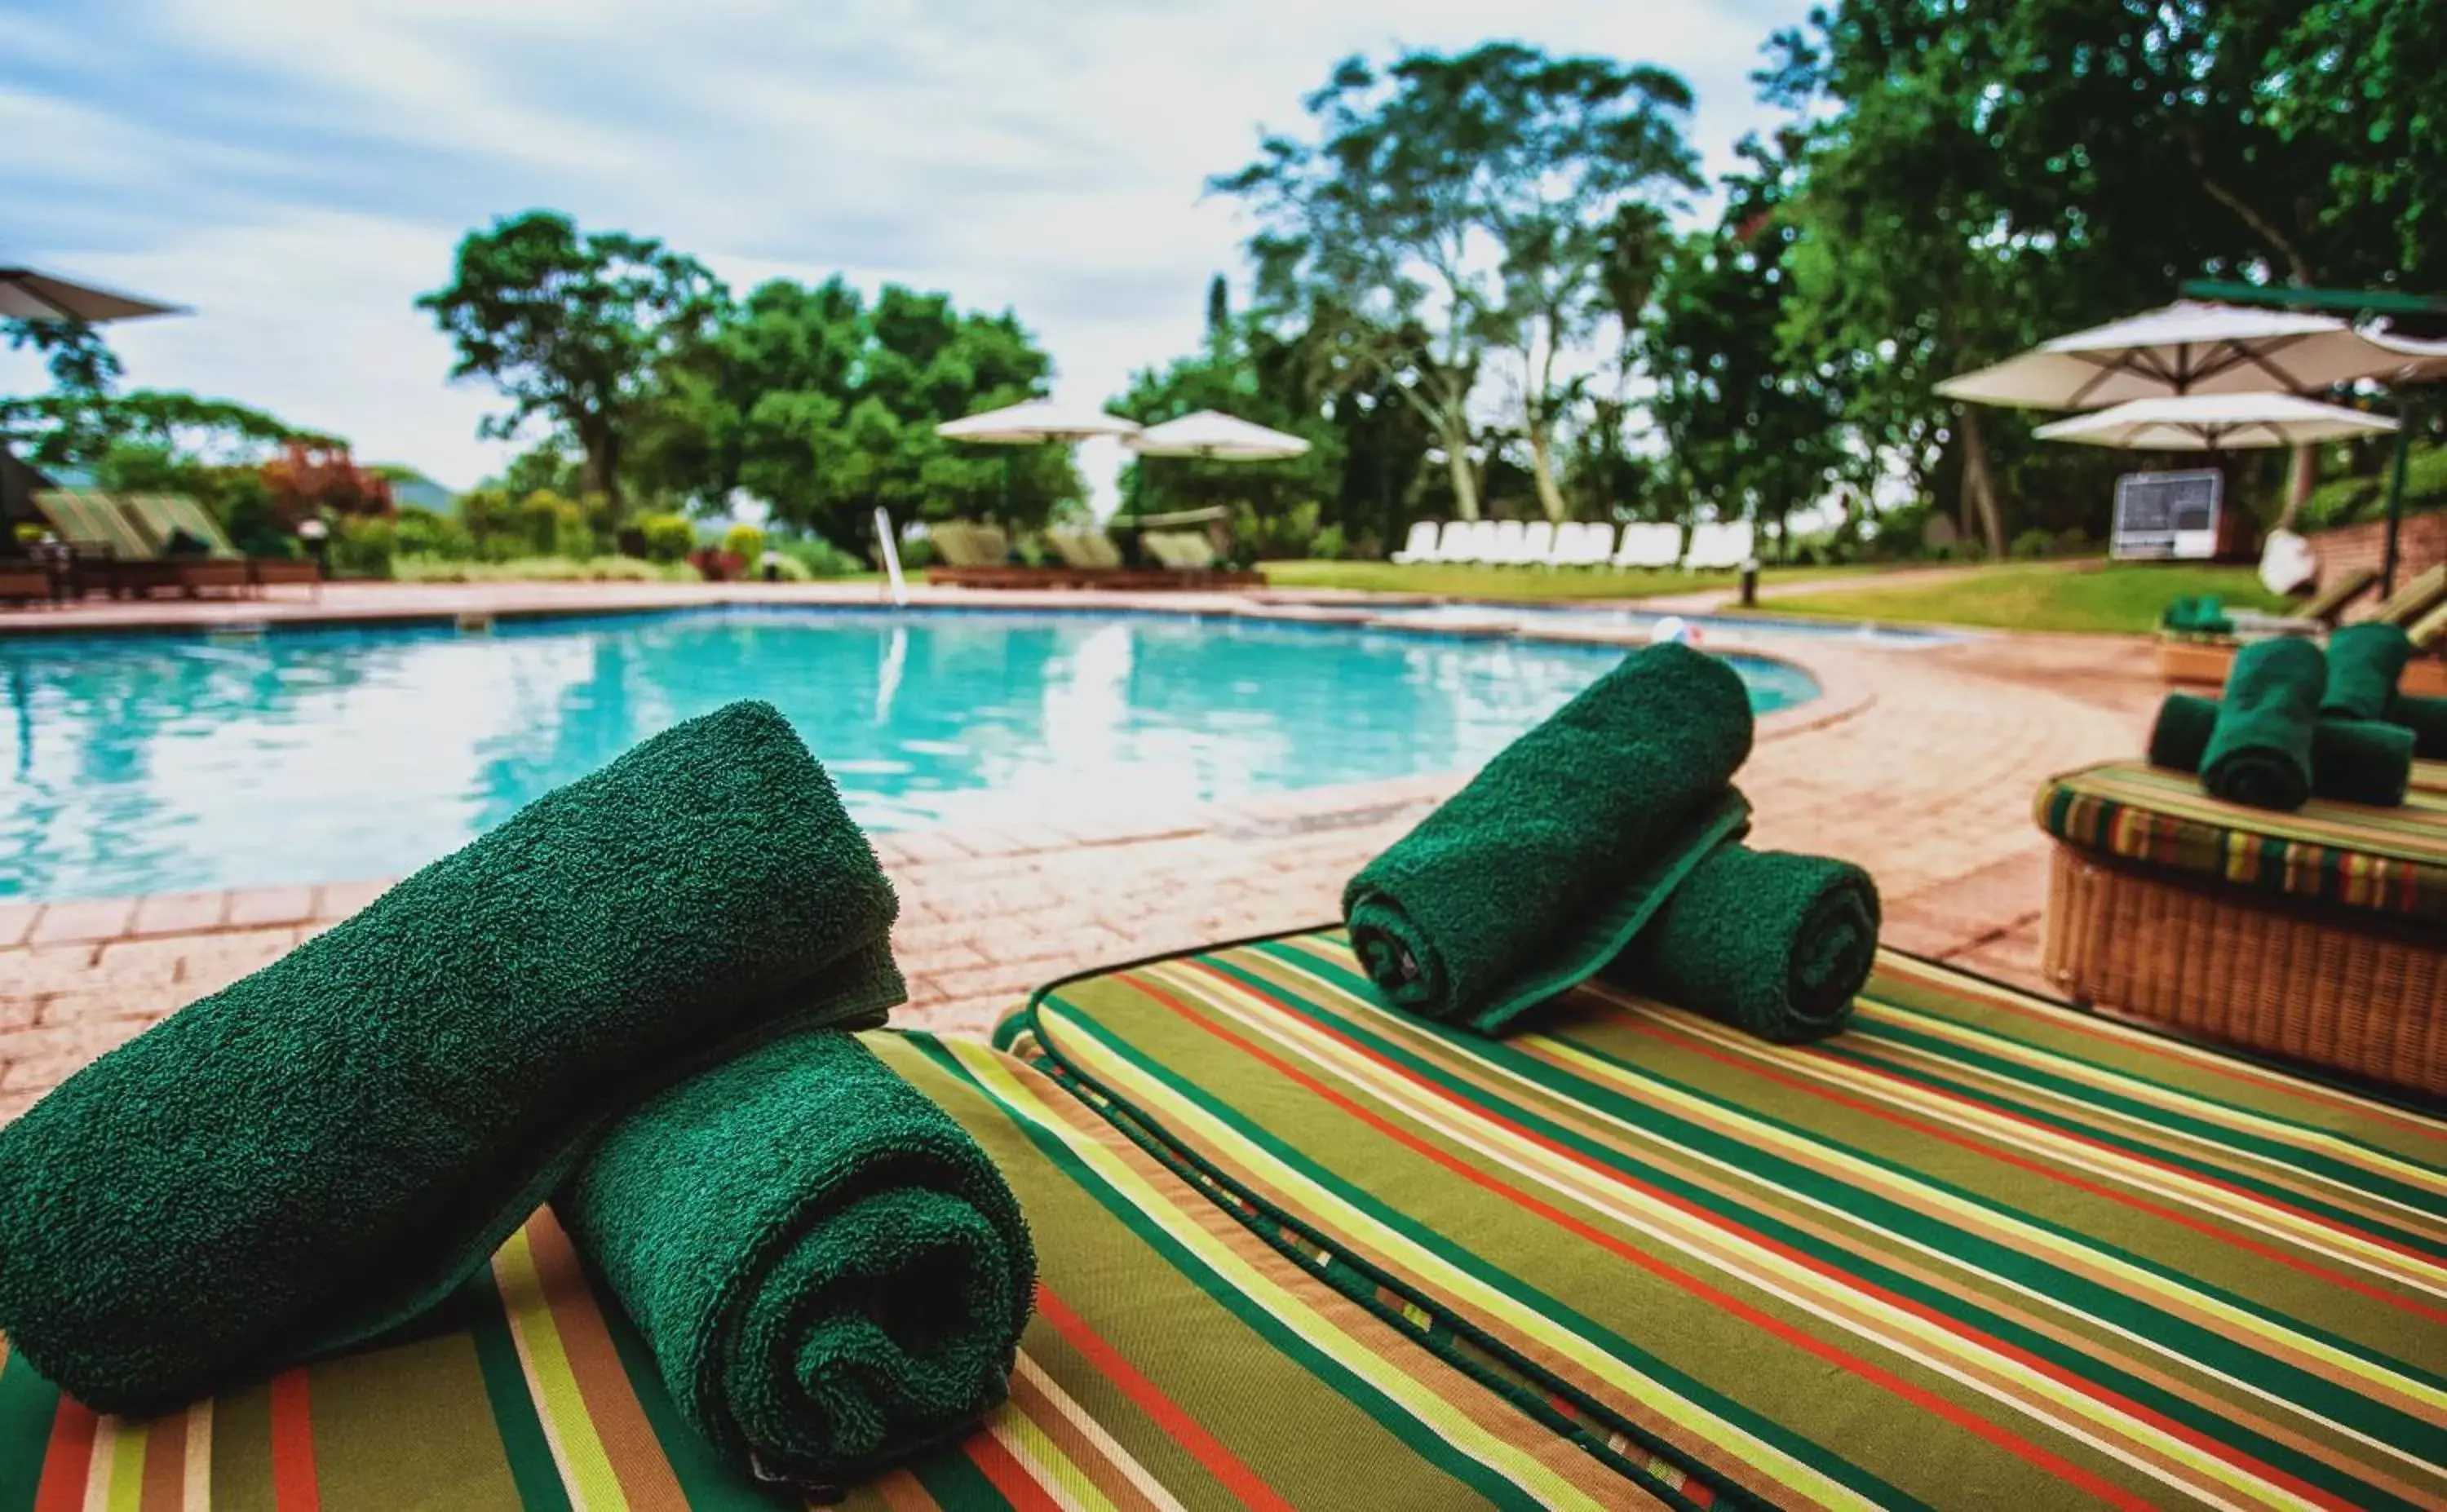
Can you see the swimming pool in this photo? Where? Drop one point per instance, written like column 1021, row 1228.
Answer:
column 151, row 763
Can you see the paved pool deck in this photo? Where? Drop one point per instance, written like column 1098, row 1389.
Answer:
column 1920, row 764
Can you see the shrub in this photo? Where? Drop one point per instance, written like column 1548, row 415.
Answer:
column 745, row 542
column 2031, row 545
column 1328, row 543
column 818, row 558
column 914, row 555
column 785, row 569
column 667, row 537
column 363, row 546
column 540, row 569
column 445, row 538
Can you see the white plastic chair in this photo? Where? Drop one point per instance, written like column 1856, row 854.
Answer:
column 1453, row 545
column 1720, row 546
column 1505, row 549
column 1655, row 543
column 1597, row 545
column 1538, row 543
column 1421, row 547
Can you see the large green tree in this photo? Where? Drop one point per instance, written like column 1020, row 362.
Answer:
column 824, row 404
column 570, row 326
column 1449, row 207
column 1747, row 430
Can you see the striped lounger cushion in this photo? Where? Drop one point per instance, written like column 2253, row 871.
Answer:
column 1175, row 1360
column 2384, row 860
column 1979, row 1251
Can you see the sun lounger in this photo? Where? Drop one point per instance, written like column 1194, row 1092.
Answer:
column 1652, row 544
column 2330, row 601
column 1504, row 547
column 1720, row 546
column 139, row 544
column 2319, row 933
column 1581, row 543
column 167, row 522
column 2419, row 605
column 1085, row 550
column 1174, row 1360
column 1979, row 1249
column 1421, row 546
column 1538, row 543
column 1181, row 550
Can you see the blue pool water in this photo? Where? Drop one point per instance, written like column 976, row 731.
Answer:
column 148, row 764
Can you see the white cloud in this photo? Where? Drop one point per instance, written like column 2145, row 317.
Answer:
column 298, row 170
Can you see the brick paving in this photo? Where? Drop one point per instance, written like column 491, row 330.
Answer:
column 1919, row 764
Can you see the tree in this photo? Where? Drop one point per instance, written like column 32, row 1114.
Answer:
column 1452, row 204
column 1247, row 371
column 572, row 328
column 69, row 429
column 824, row 406
column 80, row 361
column 1746, row 429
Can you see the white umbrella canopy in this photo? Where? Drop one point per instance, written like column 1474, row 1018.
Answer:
column 26, row 294
column 2191, row 346
column 1214, row 434
column 2215, row 423
column 1036, row 422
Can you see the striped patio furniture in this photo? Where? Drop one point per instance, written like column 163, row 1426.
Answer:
column 1979, row 1250
column 2319, row 934
column 1175, row 1360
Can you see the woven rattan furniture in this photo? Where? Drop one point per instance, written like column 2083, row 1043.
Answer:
column 2319, row 934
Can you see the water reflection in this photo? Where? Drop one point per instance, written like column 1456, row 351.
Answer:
column 160, row 763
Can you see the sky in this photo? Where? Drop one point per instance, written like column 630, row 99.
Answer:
column 295, row 172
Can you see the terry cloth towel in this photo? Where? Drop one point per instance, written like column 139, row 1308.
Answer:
column 1540, row 870
column 2202, row 616
column 2260, row 751
column 1772, row 943
column 2427, row 719
column 324, row 1148
column 830, row 1272
column 2353, row 760
column 2365, row 661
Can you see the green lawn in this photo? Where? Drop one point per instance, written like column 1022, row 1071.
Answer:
column 2028, row 595
column 1523, row 582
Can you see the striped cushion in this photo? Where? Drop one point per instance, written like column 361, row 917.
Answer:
column 1174, row 1360
column 2387, row 860
column 1979, row 1250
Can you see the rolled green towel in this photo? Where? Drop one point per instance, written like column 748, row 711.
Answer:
column 2204, row 615
column 1540, row 870
column 2427, row 719
column 2365, row 661
column 1772, row 943
column 829, row 1271
column 2259, row 749
column 2353, row 760
column 324, row 1148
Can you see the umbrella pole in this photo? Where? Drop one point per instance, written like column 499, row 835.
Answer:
column 2395, row 490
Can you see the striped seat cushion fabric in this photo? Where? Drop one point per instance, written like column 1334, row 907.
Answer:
column 1979, row 1250
column 2384, row 860
column 1175, row 1360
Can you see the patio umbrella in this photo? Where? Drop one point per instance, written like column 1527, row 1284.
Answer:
column 29, row 294
column 1035, row 422
column 2191, row 347
column 2215, row 423
column 1213, row 434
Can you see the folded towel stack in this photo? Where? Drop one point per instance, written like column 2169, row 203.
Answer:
column 2365, row 661
column 322, row 1151
column 1607, row 840
column 2353, row 760
column 2427, row 719
column 2204, row 615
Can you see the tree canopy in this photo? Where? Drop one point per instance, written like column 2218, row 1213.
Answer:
column 570, row 326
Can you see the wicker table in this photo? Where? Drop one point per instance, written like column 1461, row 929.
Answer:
column 2319, row 934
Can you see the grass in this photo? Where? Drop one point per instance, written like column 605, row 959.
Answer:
column 2108, row 597
column 1523, row 582
column 542, row 570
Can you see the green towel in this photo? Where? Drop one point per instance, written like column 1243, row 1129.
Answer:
column 2204, row 615
column 2260, row 751
column 1769, row 942
column 830, row 1272
column 1544, row 867
column 322, row 1150
column 2427, row 719
column 2353, row 760
column 2365, row 661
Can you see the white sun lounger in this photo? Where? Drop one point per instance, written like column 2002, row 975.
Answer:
column 1651, row 544
column 1720, row 546
column 1504, row 550
column 1421, row 547
column 1537, row 542
column 1596, row 547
